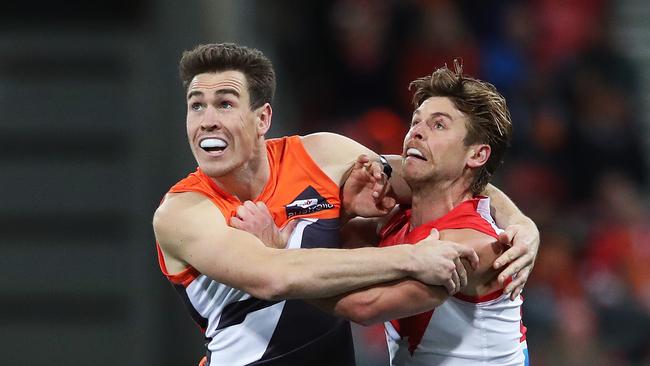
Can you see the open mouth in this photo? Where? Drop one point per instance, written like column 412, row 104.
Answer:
column 415, row 153
column 213, row 145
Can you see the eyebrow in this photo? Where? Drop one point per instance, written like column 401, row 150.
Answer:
column 217, row 92
column 435, row 114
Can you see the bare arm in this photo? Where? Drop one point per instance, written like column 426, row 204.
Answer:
column 363, row 192
column 522, row 233
column 380, row 303
column 404, row 298
column 191, row 231
column 335, row 154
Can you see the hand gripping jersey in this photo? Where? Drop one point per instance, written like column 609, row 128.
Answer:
column 464, row 330
column 243, row 330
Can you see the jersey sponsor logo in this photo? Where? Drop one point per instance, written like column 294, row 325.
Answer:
column 303, row 203
column 307, row 202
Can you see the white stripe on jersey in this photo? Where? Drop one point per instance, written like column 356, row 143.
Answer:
column 246, row 342
column 239, row 342
column 295, row 240
column 483, row 209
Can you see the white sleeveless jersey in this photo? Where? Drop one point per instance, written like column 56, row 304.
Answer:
column 462, row 333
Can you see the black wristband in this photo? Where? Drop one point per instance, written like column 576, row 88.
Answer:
column 388, row 170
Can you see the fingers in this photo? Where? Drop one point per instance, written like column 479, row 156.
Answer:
column 243, row 212
column 462, row 273
column 450, row 286
column 375, row 170
column 237, row 223
column 380, row 183
column 261, row 206
column 510, row 255
column 383, row 185
column 254, row 213
column 517, row 291
column 456, row 279
column 387, row 204
column 507, row 236
column 288, row 228
column 361, row 160
column 245, row 217
column 521, row 268
column 468, row 253
column 519, row 281
column 512, row 269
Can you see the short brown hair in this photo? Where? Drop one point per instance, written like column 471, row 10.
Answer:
column 489, row 119
column 217, row 57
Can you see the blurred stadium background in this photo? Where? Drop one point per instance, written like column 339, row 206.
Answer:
column 92, row 135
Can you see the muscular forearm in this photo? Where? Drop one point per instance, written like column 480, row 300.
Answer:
column 385, row 302
column 320, row 273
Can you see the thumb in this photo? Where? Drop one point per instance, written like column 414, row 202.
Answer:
column 237, row 223
column 434, row 234
column 469, row 254
column 506, row 236
column 287, row 230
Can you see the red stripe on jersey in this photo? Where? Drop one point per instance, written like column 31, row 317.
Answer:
column 479, row 299
column 413, row 327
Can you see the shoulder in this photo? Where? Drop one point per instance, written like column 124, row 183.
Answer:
column 176, row 205
column 319, row 138
column 334, row 153
column 332, row 144
column 182, row 215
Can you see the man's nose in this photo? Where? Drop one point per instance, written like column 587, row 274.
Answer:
column 416, row 131
column 210, row 120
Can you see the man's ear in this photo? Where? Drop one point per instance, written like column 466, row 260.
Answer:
column 263, row 118
column 478, row 155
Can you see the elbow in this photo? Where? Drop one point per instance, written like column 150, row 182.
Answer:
column 359, row 310
column 274, row 287
column 365, row 316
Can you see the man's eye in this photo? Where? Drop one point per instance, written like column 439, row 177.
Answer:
column 225, row 105
column 438, row 126
column 196, row 106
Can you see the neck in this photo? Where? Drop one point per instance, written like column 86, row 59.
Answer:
column 247, row 181
column 433, row 200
